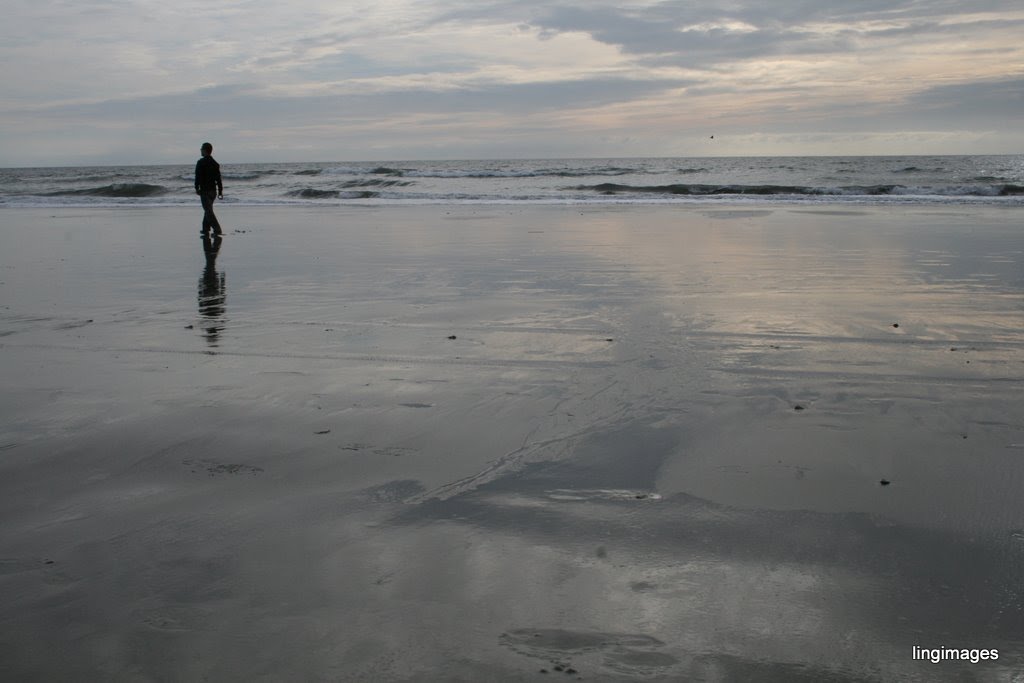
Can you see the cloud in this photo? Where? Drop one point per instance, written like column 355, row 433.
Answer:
column 604, row 74
column 252, row 103
column 708, row 34
column 986, row 101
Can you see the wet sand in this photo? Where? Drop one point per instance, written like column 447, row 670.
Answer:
column 511, row 443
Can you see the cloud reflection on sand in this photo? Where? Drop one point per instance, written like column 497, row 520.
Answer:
column 605, row 469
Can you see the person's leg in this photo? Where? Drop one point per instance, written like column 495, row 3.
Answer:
column 213, row 217
column 206, row 215
column 209, row 217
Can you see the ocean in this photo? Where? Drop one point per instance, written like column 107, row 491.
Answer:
column 858, row 180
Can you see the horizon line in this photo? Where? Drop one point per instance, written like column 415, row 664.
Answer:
column 527, row 158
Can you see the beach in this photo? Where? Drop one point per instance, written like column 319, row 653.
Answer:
column 512, row 443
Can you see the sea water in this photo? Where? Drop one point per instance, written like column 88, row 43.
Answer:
column 936, row 179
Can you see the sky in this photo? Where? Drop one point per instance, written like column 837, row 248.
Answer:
column 145, row 82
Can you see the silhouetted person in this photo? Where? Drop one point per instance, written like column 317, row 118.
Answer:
column 208, row 187
column 212, row 292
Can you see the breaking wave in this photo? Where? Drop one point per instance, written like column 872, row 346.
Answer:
column 246, row 175
column 526, row 173
column 917, row 169
column 377, row 183
column 114, row 190
column 311, row 193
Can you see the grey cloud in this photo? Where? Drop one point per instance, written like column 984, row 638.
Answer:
column 654, row 31
column 249, row 106
column 992, row 100
column 993, row 104
column 657, row 33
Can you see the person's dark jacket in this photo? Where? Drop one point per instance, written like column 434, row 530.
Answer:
column 208, row 176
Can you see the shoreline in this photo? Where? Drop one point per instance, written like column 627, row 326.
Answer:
column 1013, row 201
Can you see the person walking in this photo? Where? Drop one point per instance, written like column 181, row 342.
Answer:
column 208, row 187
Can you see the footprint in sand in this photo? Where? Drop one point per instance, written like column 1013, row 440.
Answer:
column 573, row 495
column 392, row 451
column 16, row 565
column 218, row 468
column 395, row 491
column 73, row 325
column 176, row 618
column 627, row 654
column 53, row 573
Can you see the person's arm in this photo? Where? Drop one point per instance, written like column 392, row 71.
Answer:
column 198, row 165
column 220, row 185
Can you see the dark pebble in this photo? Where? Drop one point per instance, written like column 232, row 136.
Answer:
column 885, row 482
column 641, row 496
column 895, row 324
column 326, row 431
column 559, row 668
column 609, row 340
column 543, row 671
column 453, row 337
column 798, row 407
column 48, row 562
column 571, row 671
column 189, row 327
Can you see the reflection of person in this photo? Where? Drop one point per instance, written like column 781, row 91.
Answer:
column 212, row 292
column 208, row 187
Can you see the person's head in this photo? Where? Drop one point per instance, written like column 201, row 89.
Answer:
column 206, row 149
